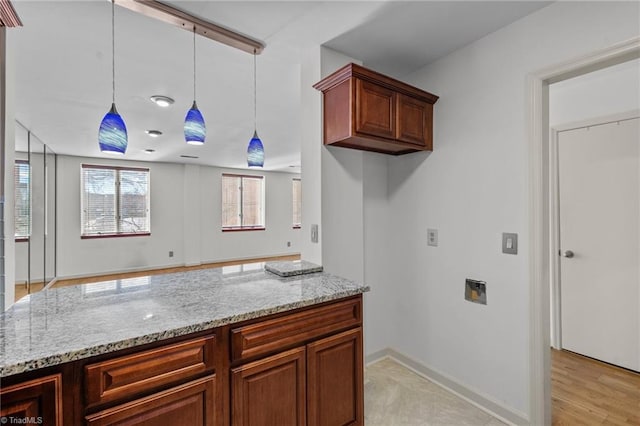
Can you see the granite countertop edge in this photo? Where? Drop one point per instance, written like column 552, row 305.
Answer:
column 74, row 355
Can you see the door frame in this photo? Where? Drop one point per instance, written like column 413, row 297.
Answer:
column 540, row 248
column 554, row 208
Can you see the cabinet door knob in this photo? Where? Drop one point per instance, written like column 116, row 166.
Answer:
column 568, row 254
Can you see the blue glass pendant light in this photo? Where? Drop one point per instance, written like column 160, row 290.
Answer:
column 112, row 136
column 194, row 128
column 255, row 151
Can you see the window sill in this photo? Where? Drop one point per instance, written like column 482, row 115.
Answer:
column 139, row 234
column 243, row 229
column 22, row 239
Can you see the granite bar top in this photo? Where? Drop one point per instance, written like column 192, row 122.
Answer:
column 290, row 268
column 66, row 324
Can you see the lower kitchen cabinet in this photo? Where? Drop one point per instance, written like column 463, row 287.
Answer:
column 335, row 380
column 191, row 404
column 37, row 401
column 296, row 368
column 270, row 391
column 320, row 384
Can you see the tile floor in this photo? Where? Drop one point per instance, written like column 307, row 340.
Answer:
column 395, row 395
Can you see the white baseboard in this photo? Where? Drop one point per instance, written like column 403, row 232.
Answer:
column 484, row 402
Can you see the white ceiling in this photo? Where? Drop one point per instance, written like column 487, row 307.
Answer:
column 63, row 68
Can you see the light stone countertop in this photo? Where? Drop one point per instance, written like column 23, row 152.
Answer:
column 289, row 268
column 60, row 325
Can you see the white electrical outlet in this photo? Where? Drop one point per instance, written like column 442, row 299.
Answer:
column 432, row 237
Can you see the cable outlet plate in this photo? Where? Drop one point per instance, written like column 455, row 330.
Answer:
column 432, row 237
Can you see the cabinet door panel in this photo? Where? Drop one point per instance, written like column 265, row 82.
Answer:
column 375, row 110
column 414, row 121
column 191, row 404
column 270, row 391
column 33, row 400
column 335, row 380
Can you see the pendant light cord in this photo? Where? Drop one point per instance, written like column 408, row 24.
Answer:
column 255, row 94
column 113, row 52
column 194, row 63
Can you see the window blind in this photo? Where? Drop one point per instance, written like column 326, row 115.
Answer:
column 22, row 204
column 115, row 201
column 242, row 202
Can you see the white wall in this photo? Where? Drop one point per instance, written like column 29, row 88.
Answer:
column 310, row 154
column 342, row 197
column 185, row 219
column 473, row 187
column 379, row 273
column 598, row 94
column 345, row 191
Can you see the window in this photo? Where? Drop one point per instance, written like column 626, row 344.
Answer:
column 242, row 202
column 297, row 203
column 115, row 201
column 22, row 178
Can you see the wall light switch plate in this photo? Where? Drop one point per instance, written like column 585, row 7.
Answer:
column 509, row 243
column 314, row 233
column 432, row 237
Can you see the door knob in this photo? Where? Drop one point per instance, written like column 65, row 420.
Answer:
column 567, row 253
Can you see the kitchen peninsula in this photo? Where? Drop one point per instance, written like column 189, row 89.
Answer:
column 234, row 345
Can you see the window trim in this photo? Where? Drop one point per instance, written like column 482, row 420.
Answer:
column 242, row 228
column 297, row 225
column 116, row 195
column 24, row 238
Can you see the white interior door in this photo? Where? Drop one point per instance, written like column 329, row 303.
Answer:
column 599, row 199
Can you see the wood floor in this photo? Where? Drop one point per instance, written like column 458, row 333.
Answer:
column 21, row 289
column 588, row 392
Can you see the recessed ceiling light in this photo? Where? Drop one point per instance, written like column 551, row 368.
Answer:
column 189, row 156
column 161, row 101
column 153, row 133
column 149, row 151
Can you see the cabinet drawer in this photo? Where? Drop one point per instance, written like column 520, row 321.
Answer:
column 274, row 335
column 132, row 374
column 191, row 404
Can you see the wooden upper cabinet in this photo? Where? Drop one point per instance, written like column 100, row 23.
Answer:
column 38, row 400
column 369, row 111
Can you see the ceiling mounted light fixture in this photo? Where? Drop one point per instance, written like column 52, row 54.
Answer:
column 194, row 128
column 255, row 150
column 112, row 135
column 161, row 101
column 149, row 151
column 153, row 133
